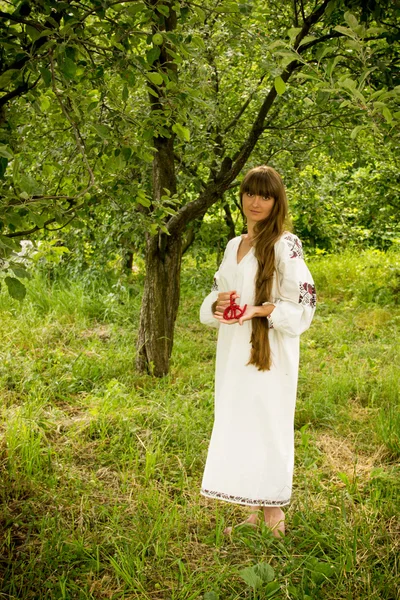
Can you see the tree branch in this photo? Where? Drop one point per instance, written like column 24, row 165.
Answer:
column 190, row 169
column 243, row 108
column 22, row 21
column 230, row 168
column 78, row 137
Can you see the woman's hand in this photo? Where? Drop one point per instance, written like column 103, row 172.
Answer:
column 223, row 302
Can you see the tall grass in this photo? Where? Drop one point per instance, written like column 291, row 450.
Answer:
column 101, row 466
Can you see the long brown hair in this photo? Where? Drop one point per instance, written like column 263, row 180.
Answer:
column 265, row 181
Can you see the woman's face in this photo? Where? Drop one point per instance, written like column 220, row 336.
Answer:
column 256, row 208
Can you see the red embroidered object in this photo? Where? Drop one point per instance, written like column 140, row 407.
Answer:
column 233, row 311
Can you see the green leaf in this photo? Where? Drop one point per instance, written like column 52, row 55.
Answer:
column 4, row 152
column 125, row 93
column 198, row 42
column 211, row 596
column 142, row 199
column 20, row 272
column 356, row 131
column 10, row 243
column 46, row 75
column 164, row 229
column 265, row 571
column 152, row 92
column 152, row 54
column 102, row 130
column 250, row 577
column 306, row 39
column 351, row 20
column 33, row 33
column 163, row 9
column 330, row 8
column 182, row 132
column 39, row 220
column 68, row 68
column 276, row 44
column 15, row 288
column 280, row 85
column 200, row 13
column 344, row 31
column 44, row 103
column 331, row 65
column 348, row 83
column 8, row 76
column 359, row 96
column 133, row 9
column 13, row 218
column 271, row 589
column 293, row 32
column 28, row 184
column 320, row 571
column 155, row 78
column 148, row 134
column 387, row 114
column 126, row 152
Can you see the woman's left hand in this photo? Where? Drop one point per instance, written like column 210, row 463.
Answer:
column 248, row 314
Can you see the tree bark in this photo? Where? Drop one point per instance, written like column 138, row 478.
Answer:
column 160, row 300
column 229, row 221
column 160, row 304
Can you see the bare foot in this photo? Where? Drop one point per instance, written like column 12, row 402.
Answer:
column 252, row 520
column 274, row 518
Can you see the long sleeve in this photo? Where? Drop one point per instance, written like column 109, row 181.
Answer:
column 296, row 299
column 206, row 315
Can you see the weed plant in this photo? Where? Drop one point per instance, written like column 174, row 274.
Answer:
column 101, row 466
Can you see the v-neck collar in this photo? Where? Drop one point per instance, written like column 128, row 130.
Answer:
column 243, row 257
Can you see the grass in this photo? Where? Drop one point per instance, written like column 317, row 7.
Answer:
column 100, row 466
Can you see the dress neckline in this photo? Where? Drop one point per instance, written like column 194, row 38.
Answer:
column 243, row 257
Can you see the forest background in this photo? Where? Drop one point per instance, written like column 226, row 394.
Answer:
column 125, row 128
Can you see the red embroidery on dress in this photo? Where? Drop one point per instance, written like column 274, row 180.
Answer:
column 295, row 246
column 307, row 294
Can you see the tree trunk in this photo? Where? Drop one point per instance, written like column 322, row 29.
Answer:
column 163, row 267
column 229, row 221
column 159, row 305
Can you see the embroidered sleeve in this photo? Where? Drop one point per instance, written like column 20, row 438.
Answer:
column 297, row 297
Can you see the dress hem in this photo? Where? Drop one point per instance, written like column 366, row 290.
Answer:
column 241, row 500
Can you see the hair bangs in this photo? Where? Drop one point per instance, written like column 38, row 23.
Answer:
column 259, row 183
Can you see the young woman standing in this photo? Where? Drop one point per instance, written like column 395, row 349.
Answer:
column 251, row 453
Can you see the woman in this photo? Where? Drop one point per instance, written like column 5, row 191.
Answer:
column 251, row 453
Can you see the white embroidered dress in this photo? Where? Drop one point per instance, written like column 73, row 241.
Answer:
column 251, row 452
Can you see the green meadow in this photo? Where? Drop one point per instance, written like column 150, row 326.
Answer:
column 100, row 466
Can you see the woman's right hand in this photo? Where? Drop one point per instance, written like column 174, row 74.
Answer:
column 223, row 301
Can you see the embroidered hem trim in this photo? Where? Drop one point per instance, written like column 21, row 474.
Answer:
column 241, row 500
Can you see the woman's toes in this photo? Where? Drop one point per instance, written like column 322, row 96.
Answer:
column 252, row 520
column 228, row 530
column 275, row 520
column 279, row 530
